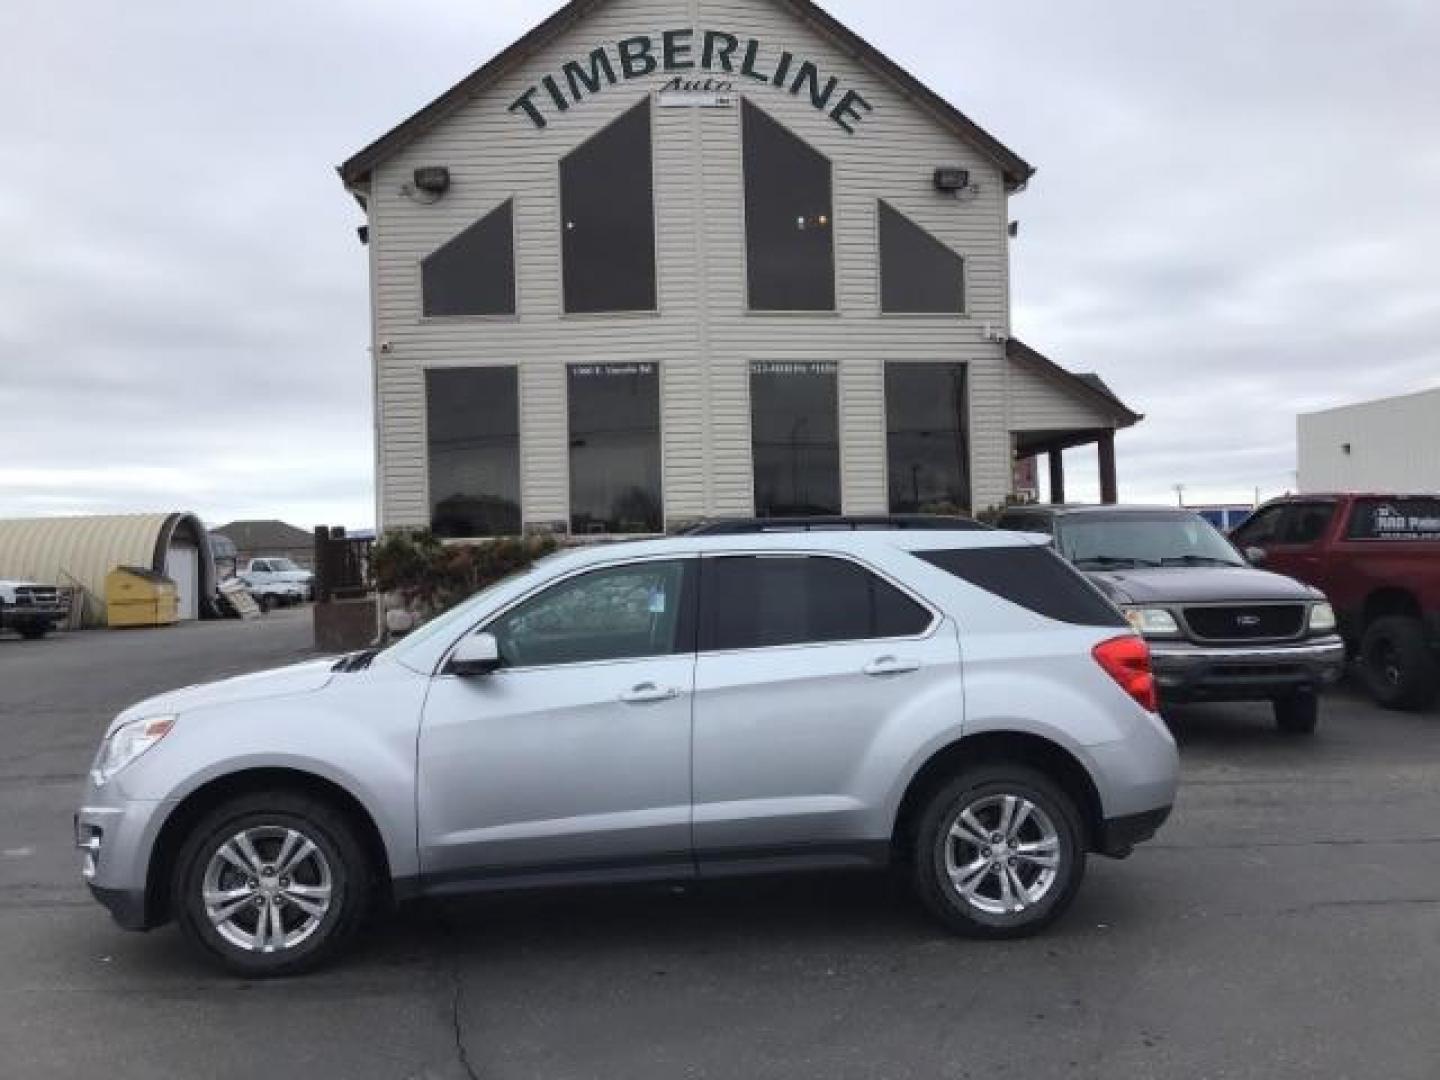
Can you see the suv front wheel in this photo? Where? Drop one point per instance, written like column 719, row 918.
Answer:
column 1000, row 852
column 271, row 884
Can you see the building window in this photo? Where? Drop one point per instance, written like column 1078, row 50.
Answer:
column 615, row 449
column 474, row 274
column 919, row 275
column 607, row 202
column 795, row 429
column 929, row 460
column 474, row 427
column 789, row 222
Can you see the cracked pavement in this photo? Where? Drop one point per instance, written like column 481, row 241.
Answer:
column 1285, row 924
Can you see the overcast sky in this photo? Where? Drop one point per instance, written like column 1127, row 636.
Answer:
column 1236, row 218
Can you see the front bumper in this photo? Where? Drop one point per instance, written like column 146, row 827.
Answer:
column 1187, row 672
column 115, row 838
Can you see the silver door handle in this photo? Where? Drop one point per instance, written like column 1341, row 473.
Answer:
column 649, row 694
column 891, row 665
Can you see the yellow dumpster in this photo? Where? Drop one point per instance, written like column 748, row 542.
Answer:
column 138, row 597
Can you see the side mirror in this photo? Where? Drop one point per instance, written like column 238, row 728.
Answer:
column 477, row 656
column 1255, row 556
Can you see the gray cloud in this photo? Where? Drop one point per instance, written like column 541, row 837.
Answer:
column 1235, row 220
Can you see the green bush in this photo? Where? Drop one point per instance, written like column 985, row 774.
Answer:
column 431, row 576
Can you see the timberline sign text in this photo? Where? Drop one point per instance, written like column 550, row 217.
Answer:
column 712, row 51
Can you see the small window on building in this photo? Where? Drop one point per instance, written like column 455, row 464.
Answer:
column 795, row 429
column 474, row 274
column 919, row 275
column 927, row 444
column 757, row 602
column 789, row 220
column 474, row 443
column 615, row 449
column 608, row 216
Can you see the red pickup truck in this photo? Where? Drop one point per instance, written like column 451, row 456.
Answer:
column 1377, row 558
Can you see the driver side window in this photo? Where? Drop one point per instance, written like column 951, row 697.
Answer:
column 620, row 613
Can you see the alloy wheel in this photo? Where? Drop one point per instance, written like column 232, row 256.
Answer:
column 267, row 889
column 1002, row 854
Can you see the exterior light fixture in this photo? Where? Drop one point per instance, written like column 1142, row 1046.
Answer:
column 952, row 181
column 433, row 180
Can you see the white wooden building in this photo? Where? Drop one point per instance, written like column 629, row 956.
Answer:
column 665, row 260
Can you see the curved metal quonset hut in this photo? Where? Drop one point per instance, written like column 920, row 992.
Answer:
column 79, row 552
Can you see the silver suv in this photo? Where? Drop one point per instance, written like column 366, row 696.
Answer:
column 962, row 704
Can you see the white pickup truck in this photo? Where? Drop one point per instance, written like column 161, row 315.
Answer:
column 32, row 610
column 276, row 582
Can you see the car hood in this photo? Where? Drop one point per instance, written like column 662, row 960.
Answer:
column 1199, row 585
column 303, row 678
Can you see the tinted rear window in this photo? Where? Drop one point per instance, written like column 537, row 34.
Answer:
column 751, row 602
column 1032, row 577
column 1395, row 519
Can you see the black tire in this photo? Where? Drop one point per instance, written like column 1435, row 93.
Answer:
column 32, row 633
column 1297, row 714
column 351, row 882
column 269, row 602
column 935, row 849
column 1396, row 663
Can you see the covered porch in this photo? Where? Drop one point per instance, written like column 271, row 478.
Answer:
column 1055, row 410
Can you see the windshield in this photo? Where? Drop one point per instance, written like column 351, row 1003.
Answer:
column 1137, row 540
column 282, row 565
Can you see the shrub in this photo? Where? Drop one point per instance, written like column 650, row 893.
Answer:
column 431, row 576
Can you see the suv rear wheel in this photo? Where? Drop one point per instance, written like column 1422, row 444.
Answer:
column 1396, row 663
column 999, row 852
column 271, row 884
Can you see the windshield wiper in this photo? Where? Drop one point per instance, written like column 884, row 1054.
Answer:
column 1110, row 562
column 1197, row 560
column 357, row 661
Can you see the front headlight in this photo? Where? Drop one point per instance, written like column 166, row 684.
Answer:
column 1322, row 619
column 126, row 743
column 1153, row 622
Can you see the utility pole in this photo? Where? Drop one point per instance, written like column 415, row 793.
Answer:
column 1180, row 494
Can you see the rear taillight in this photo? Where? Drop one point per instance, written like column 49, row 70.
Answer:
column 1127, row 661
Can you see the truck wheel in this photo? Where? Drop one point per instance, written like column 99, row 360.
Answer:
column 1297, row 714
column 32, row 633
column 270, row 884
column 1000, row 852
column 1397, row 665
column 269, row 603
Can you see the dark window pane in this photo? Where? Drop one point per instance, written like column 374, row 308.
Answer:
column 929, row 459
column 474, row 274
column 1032, row 577
column 757, row 602
column 1395, row 519
column 474, row 427
column 608, row 210
column 618, row 614
column 1306, row 523
column 795, row 425
column 615, row 449
column 1261, row 528
column 789, row 222
column 918, row 274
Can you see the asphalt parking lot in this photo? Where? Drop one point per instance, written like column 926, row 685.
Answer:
column 1285, row 924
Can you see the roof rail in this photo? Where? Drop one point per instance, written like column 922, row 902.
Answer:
column 879, row 523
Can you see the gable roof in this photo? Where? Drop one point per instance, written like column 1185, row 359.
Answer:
column 265, row 536
column 356, row 171
column 1088, row 387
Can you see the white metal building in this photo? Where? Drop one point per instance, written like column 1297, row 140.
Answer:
column 664, row 260
column 78, row 553
column 1387, row 445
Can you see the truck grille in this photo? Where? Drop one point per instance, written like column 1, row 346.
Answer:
column 45, row 598
column 1258, row 623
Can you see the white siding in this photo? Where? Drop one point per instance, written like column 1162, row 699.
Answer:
column 702, row 337
column 1394, row 446
column 1036, row 404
